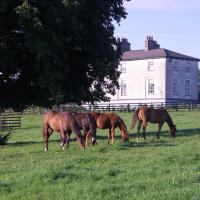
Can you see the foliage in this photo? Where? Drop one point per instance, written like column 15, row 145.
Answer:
column 167, row 169
column 58, row 51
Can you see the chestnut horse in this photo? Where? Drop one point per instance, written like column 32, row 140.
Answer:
column 62, row 122
column 87, row 123
column 111, row 121
column 148, row 114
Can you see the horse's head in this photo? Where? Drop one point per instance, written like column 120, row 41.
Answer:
column 94, row 141
column 125, row 137
column 173, row 131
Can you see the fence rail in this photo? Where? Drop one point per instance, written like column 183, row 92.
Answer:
column 9, row 121
column 130, row 107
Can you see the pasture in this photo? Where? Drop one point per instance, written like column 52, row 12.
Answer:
column 168, row 168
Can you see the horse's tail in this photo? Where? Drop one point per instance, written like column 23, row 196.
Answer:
column 44, row 121
column 45, row 125
column 134, row 119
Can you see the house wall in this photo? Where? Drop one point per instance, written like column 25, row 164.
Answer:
column 136, row 75
column 178, row 69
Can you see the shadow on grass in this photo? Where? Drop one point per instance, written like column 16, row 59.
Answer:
column 148, row 142
column 155, row 143
column 20, row 143
column 179, row 133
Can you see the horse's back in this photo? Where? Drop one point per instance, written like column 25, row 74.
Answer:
column 107, row 120
column 58, row 121
column 152, row 115
column 83, row 120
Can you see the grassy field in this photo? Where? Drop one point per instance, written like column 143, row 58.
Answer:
column 152, row 169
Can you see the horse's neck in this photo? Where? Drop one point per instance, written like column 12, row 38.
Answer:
column 122, row 127
column 170, row 122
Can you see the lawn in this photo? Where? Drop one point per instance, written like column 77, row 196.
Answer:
column 153, row 169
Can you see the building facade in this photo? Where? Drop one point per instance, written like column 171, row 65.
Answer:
column 156, row 74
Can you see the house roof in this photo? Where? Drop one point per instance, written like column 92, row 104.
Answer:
column 155, row 53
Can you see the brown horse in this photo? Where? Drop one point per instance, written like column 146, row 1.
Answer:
column 62, row 122
column 87, row 123
column 111, row 121
column 147, row 114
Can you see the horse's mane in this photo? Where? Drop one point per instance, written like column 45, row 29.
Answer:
column 121, row 123
column 169, row 120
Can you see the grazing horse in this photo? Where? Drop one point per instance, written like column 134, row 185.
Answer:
column 111, row 121
column 147, row 114
column 62, row 122
column 87, row 123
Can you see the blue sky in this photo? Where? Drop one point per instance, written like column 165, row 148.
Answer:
column 174, row 24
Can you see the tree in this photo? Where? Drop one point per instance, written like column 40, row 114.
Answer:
column 58, row 51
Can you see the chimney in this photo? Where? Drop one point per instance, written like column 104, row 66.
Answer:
column 125, row 45
column 150, row 44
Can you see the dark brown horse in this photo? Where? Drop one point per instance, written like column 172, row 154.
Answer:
column 62, row 122
column 111, row 121
column 147, row 114
column 87, row 123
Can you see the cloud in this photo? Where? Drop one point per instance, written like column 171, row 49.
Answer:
column 164, row 5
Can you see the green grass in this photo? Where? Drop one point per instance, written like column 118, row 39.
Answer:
column 152, row 169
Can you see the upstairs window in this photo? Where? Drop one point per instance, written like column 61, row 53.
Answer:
column 188, row 67
column 151, row 86
column 150, row 66
column 175, row 87
column 123, row 67
column 123, row 88
column 175, row 65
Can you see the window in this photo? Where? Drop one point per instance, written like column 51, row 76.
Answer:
column 175, row 65
column 123, row 68
column 175, row 87
column 123, row 88
column 188, row 67
column 187, row 87
column 150, row 66
column 151, row 86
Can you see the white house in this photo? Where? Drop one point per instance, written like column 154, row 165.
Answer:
column 156, row 74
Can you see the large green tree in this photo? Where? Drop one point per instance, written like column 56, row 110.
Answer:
column 56, row 51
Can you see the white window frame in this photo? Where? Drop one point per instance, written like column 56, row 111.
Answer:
column 151, row 86
column 123, row 88
column 187, row 88
column 151, row 65
column 123, row 67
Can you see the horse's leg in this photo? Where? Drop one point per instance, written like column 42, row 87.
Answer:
column 68, row 138
column 113, row 134
column 64, row 138
column 50, row 131
column 138, row 130
column 79, row 137
column 45, row 137
column 109, row 136
column 87, row 135
column 159, row 129
column 144, row 126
